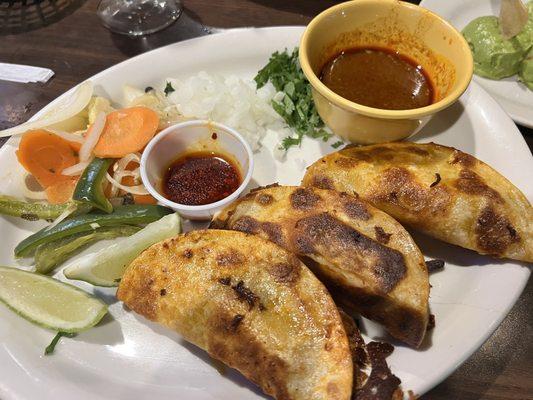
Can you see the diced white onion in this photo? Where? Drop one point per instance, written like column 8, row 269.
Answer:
column 93, row 134
column 71, row 137
column 138, row 189
column 69, row 210
column 94, row 225
column 230, row 100
column 76, row 169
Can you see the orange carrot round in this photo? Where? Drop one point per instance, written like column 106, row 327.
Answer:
column 45, row 156
column 61, row 192
column 126, row 131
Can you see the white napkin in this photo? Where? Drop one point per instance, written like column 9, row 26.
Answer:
column 24, row 73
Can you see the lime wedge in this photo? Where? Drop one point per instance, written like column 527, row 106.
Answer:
column 49, row 302
column 106, row 266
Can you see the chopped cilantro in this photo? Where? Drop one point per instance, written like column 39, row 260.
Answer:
column 337, row 144
column 296, row 106
column 168, row 89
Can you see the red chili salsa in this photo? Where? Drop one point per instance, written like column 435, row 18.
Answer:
column 379, row 78
column 200, row 178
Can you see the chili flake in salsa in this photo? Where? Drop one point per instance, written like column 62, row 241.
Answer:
column 200, row 178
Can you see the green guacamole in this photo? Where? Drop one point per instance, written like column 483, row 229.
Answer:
column 526, row 70
column 525, row 37
column 494, row 57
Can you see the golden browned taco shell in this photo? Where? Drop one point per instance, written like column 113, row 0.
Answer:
column 438, row 190
column 367, row 260
column 250, row 304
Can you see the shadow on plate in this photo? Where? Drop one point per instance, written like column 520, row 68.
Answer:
column 107, row 332
column 228, row 373
column 441, row 122
column 436, row 249
column 108, row 298
column 375, row 332
column 451, row 127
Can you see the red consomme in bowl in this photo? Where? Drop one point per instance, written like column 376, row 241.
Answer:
column 379, row 78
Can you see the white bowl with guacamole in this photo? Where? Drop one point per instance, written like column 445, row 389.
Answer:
column 503, row 68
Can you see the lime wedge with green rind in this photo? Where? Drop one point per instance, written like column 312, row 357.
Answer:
column 105, row 267
column 48, row 302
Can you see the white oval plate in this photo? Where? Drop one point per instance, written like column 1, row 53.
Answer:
column 128, row 357
column 514, row 97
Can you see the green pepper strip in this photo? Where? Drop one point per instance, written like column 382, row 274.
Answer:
column 35, row 211
column 89, row 188
column 124, row 215
column 49, row 255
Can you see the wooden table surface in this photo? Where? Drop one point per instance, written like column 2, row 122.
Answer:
column 76, row 46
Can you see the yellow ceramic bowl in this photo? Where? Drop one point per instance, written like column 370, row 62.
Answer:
column 412, row 31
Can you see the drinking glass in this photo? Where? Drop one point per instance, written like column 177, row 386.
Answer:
column 138, row 17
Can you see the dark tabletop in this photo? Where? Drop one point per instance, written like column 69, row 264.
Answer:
column 74, row 44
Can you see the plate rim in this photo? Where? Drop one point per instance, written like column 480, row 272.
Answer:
column 476, row 86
